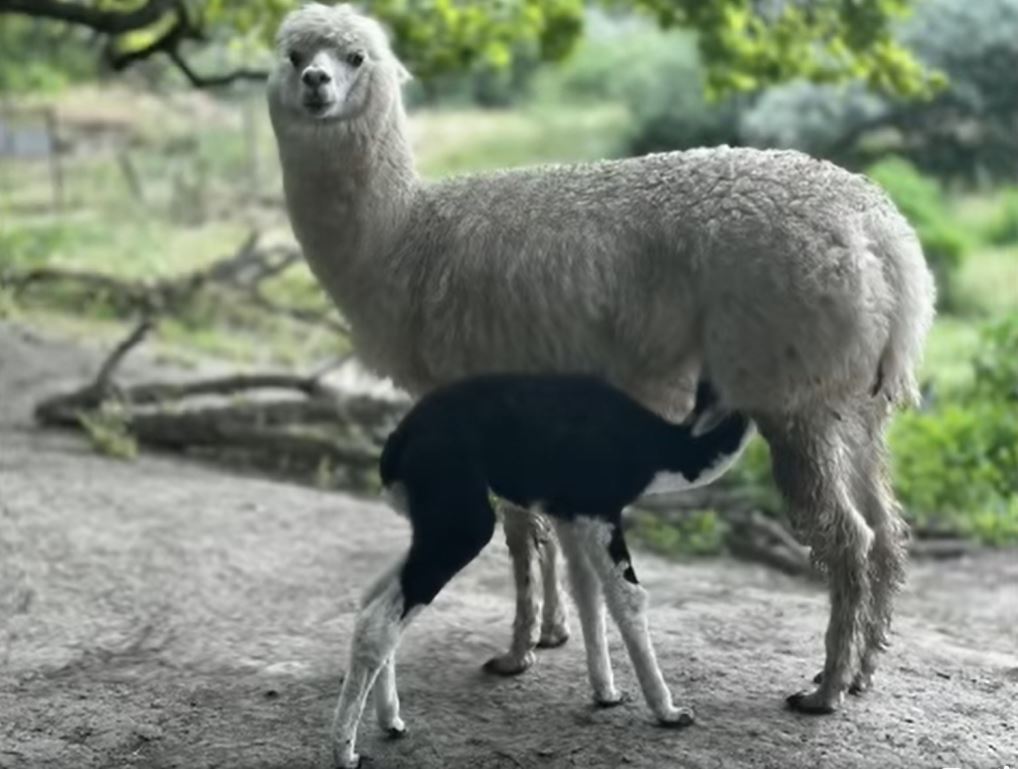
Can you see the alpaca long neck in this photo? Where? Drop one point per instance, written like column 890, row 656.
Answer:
column 349, row 187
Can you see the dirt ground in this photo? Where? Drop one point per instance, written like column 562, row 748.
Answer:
column 157, row 613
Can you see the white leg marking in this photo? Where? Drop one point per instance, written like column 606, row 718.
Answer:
column 376, row 634
column 387, row 699
column 590, row 606
column 627, row 603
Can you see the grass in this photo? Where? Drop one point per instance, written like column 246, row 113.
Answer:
column 451, row 142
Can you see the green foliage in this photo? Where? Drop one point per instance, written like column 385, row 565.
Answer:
column 956, row 465
column 697, row 532
column 68, row 58
column 109, row 433
column 1003, row 229
column 658, row 77
column 922, row 202
column 996, row 363
column 752, row 476
column 746, row 46
column 966, row 129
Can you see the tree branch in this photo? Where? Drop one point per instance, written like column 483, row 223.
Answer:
column 105, row 22
column 214, row 81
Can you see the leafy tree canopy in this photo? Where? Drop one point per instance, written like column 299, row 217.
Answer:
column 744, row 44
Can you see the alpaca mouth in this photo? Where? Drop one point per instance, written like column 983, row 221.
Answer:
column 316, row 105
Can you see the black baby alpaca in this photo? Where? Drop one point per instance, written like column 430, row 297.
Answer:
column 574, row 447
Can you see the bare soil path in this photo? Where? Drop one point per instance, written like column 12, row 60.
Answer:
column 156, row 613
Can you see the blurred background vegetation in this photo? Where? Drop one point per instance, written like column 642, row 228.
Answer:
column 117, row 159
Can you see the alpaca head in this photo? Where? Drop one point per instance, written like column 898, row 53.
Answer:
column 333, row 64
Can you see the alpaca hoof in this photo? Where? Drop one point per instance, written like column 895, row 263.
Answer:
column 611, row 700
column 394, row 729
column 677, row 718
column 509, row 664
column 810, row 702
column 553, row 637
column 860, row 683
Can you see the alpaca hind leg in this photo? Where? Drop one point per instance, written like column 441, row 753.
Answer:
column 554, row 622
column 589, row 598
column 606, row 549
column 888, row 555
column 522, row 532
column 812, row 468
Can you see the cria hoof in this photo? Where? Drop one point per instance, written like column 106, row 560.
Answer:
column 508, row 664
column 612, row 701
column 352, row 761
column 395, row 732
column 804, row 702
column 680, row 719
column 552, row 638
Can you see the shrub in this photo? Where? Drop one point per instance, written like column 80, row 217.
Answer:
column 1003, row 229
column 996, row 363
column 957, row 465
column 922, row 202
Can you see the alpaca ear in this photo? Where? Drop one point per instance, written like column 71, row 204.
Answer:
column 402, row 73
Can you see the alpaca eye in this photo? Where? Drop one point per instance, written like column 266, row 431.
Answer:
column 355, row 59
column 295, row 58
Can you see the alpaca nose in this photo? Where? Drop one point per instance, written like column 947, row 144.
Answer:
column 315, row 76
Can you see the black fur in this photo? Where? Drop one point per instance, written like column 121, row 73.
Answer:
column 572, row 445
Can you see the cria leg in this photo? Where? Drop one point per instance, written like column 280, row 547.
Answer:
column 387, row 699
column 627, row 602
column 590, row 606
column 376, row 634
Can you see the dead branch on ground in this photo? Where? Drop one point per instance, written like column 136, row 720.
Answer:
column 243, row 272
column 267, row 419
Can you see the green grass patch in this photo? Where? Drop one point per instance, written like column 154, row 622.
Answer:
column 452, row 142
column 692, row 533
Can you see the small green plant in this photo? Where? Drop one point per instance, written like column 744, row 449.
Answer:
column 698, row 532
column 956, row 466
column 108, row 431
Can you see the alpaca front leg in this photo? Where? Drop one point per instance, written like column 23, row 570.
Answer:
column 606, row 550
column 521, row 537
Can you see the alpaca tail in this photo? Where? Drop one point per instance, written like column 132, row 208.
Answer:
column 913, row 295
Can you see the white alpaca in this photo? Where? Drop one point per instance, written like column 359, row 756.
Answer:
column 795, row 285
